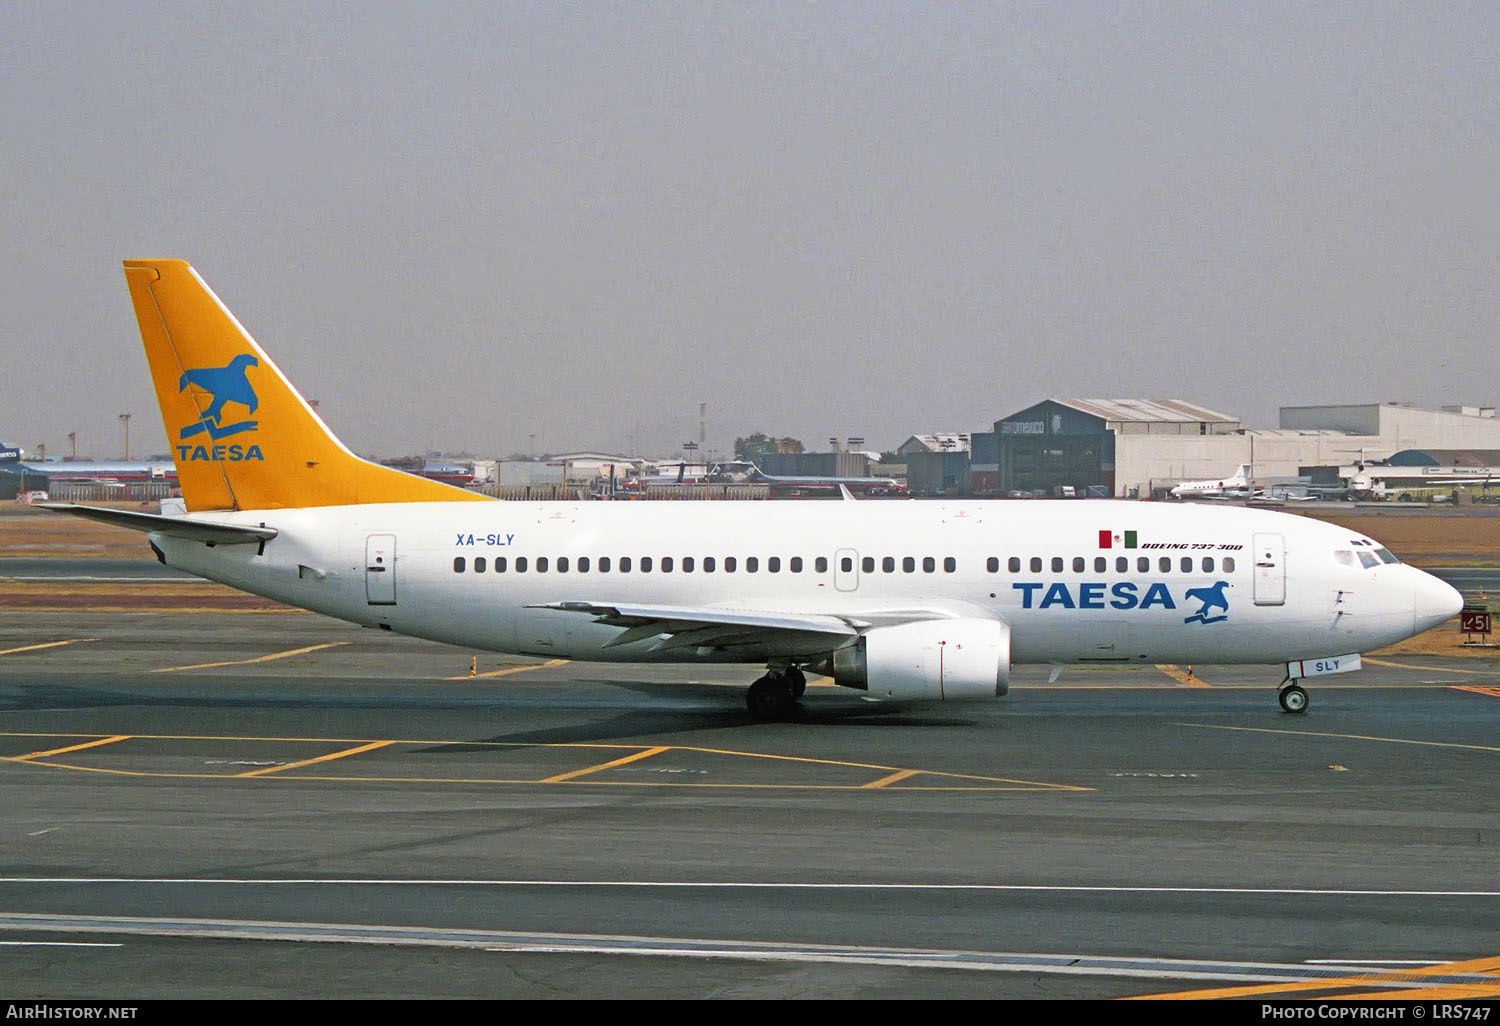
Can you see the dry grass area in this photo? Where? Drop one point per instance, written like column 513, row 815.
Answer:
column 27, row 532
column 1441, row 641
column 1425, row 537
column 128, row 597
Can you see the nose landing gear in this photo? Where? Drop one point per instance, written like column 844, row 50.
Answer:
column 1293, row 697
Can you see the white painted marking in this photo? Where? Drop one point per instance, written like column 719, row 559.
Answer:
column 751, row 885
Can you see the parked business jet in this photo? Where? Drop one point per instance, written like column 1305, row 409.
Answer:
column 903, row 600
column 1236, row 485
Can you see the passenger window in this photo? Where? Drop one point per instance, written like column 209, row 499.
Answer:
column 949, row 564
column 1057, row 564
column 1187, row 564
column 795, row 564
column 752, row 564
column 1122, row 564
column 583, row 564
column 1078, row 564
column 604, row 564
column 908, row 564
column 541, row 564
column 458, row 564
column 1208, row 564
column 888, row 564
column 645, row 564
column 687, row 564
column 992, row 564
column 1143, row 564
column 709, row 564
column 1014, row 565
column 928, row 564
column 479, row 564
column 1100, row 564
column 499, row 564
column 1036, row 564
column 773, row 564
column 1165, row 564
column 730, row 564
column 1229, row 564
column 624, row 564
column 666, row 564
column 821, row 564
column 867, row 564
column 562, row 564
column 520, row 564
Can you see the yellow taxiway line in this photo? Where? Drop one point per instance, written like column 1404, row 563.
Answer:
column 257, row 659
column 45, row 644
column 1181, row 676
column 623, row 760
column 509, row 670
column 1402, row 979
column 72, row 748
column 1435, row 669
column 1346, row 737
column 322, row 758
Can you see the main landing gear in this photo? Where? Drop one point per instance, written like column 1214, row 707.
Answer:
column 773, row 696
column 1293, row 698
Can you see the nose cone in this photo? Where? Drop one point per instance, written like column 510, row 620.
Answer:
column 1433, row 602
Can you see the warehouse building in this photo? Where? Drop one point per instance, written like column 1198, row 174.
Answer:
column 1140, row 448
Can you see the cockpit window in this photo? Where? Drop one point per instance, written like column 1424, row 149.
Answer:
column 1368, row 558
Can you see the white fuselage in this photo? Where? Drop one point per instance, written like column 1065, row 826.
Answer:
column 1110, row 581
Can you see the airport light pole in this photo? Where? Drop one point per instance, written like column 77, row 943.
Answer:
column 125, row 419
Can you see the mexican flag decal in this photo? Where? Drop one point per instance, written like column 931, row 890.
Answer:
column 1117, row 539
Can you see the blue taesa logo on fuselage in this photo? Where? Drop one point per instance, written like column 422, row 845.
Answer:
column 1123, row 596
column 227, row 384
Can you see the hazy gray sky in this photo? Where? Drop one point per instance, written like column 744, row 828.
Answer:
column 461, row 225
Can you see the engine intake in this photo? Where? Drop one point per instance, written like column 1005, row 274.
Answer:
column 952, row 660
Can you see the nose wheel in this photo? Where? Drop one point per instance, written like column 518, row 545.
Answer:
column 1293, row 698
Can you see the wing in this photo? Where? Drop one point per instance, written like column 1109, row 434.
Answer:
column 747, row 631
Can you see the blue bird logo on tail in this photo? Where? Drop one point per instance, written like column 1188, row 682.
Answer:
column 1212, row 598
column 227, row 384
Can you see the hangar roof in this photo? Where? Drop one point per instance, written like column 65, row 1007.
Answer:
column 1171, row 411
column 1446, row 458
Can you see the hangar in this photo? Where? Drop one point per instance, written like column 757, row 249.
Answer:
column 1139, row 448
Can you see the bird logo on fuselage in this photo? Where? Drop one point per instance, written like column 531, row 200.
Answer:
column 1212, row 598
column 227, row 384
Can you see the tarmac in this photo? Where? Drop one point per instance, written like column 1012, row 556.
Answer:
column 253, row 804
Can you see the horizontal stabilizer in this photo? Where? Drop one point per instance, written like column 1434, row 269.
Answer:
column 174, row 527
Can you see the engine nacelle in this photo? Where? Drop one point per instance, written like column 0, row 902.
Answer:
column 954, row 660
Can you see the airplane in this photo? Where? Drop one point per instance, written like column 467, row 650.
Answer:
column 904, row 601
column 1237, row 485
column 782, row 486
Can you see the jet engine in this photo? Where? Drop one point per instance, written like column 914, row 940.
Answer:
column 954, row 660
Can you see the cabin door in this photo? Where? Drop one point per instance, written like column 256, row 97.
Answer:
column 380, row 570
column 1270, row 569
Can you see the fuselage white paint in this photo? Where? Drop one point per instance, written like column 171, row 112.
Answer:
column 318, row 560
